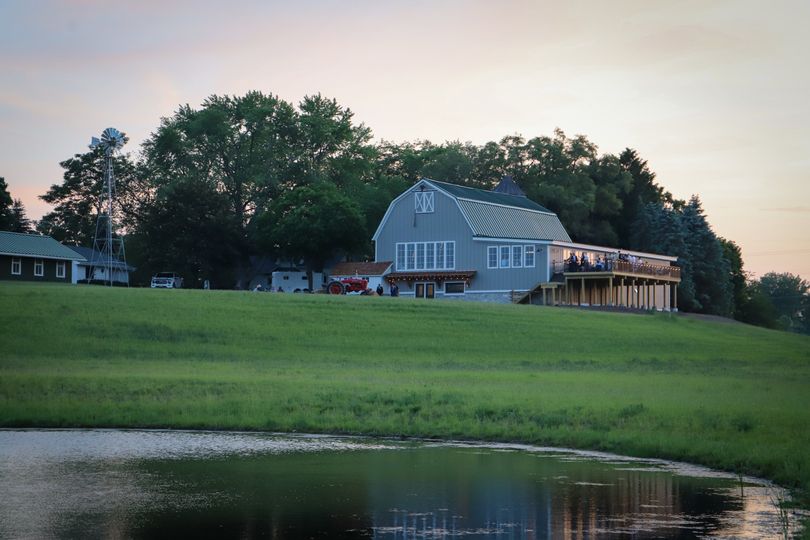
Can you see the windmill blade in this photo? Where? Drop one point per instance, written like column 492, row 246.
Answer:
column 112, row 139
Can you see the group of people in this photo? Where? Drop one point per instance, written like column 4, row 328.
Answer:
column 584, row 262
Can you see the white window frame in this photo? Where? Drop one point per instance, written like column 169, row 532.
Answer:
column 423, row 202
column 60, row 270
column 526, row 250
column 517, row 256
column 492, row 257
column 504, row 261
column 425, row 255
column 401, row 258
column 18, row 263
column 39, row 263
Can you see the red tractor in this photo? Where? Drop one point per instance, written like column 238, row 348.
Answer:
column 348, row 285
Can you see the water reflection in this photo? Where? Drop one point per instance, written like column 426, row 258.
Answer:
column 169, row 484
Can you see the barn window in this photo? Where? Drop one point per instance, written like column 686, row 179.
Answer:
column 423, row 202
column 492, row 257
column 529, row 256
column 16, row 267
column 504, row 263
column 517, row 256
column 60, row 269
column 450, row 255
column 39, row 267
column 454, row 287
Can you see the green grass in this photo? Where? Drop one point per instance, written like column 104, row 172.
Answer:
column 724, row 395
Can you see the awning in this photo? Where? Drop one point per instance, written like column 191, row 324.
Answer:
column 428, row 275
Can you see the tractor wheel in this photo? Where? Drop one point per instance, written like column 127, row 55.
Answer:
column 335, row 287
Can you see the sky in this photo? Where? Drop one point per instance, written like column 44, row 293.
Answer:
column 714, row 95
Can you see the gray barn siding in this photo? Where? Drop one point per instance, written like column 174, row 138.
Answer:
column 446, row 223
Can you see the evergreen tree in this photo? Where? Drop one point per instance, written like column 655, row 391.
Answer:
column 6, row 206
column 736, row 275
column 19, row 220
column 709, row 269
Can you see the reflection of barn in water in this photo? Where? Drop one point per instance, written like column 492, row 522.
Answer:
column 586, row 500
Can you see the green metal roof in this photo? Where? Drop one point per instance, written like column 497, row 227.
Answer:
column 501, row 215
column 508, row 222
column 35, row 245
column 491, row 197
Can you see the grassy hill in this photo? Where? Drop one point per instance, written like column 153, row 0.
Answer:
column 724, row 395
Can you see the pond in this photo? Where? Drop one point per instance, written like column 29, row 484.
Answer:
column 168, row 484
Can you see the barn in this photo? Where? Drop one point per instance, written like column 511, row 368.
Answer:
column 451, row 241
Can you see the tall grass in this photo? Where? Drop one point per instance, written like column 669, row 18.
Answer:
column 724, row 395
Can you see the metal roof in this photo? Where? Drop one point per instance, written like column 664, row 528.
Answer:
column 491, row 197
column 495, row 221
column 360, row 268
column 35, row 245
column 507, row 185
column 96, row 257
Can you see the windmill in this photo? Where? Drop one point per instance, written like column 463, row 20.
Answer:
column 108, row 249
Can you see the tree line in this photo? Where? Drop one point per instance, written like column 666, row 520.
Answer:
column 247, row 175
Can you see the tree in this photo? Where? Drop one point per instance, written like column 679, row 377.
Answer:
column 736, row 274
column 314, row 223
column 253, row 148
column 6, row 204
column 189, row 229
column 19, row 220
column 643, row 190
column 709, row 269
column 789, row 296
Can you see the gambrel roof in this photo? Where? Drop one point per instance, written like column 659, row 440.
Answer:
column 492, row 214
column 35, row 245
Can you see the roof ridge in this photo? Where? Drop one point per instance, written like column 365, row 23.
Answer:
column 26, row 234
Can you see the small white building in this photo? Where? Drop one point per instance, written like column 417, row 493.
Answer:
column 95, row 266
column 374, row 272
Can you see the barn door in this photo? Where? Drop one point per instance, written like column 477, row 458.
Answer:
column 425, row 290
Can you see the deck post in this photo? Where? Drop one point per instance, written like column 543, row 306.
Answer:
column 581, row 292
column 675, row 297
column 647, row 294
column 621, row 294
column 567, row 293
column 655, row 295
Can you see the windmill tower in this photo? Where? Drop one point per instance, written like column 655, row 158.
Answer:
column 108, row 249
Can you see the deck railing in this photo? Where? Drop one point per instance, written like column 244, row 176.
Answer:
column 620, row 266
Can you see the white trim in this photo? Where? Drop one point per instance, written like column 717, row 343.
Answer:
column 17, row 260
column 424, row 202
column 41, row 263
column 520, row 258
column 501, row 257
column 496, row 258
column 513, row 240
column 534, row 256
column 507, row 206
column 591, row 247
